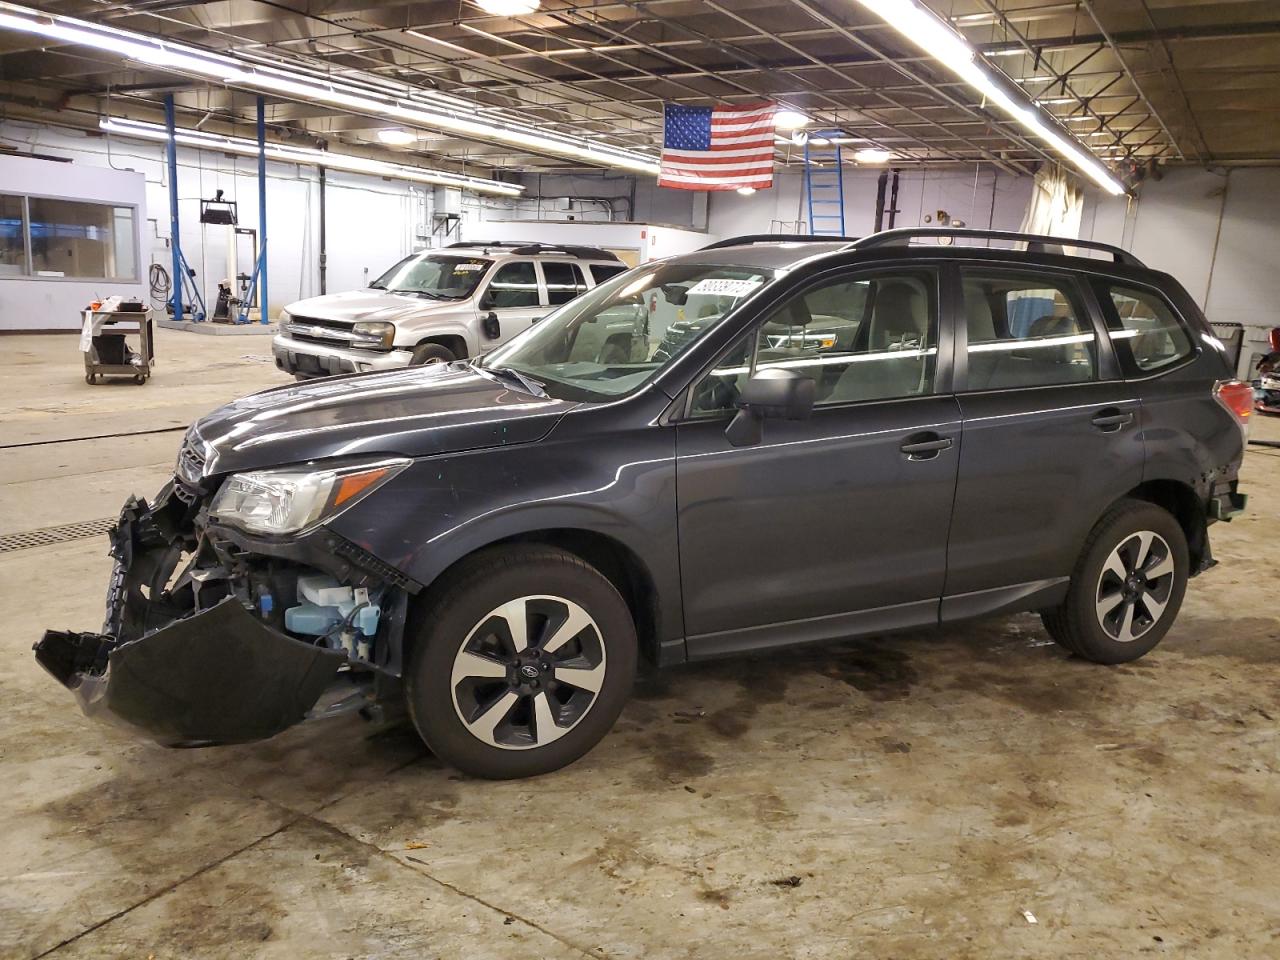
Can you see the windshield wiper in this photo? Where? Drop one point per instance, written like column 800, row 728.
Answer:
column 420, row 293
column 527, row 383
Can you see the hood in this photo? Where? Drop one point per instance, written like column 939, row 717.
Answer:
column 411, row 412
column 366, row 305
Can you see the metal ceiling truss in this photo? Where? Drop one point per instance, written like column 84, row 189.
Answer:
column 1130, row 82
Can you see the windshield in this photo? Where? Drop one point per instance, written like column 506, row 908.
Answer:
column 615, row 338
column 433, row 275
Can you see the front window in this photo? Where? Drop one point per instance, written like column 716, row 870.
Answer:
column 434, row 276
column 615, row 338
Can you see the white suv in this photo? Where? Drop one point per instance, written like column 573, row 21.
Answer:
column 436, row 306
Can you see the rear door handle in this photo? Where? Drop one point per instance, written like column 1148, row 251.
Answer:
column 1111, row 420
column 925, row 446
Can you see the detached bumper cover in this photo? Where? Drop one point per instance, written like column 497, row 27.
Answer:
column 218, row 676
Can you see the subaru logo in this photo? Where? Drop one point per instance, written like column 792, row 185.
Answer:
column 529, row 671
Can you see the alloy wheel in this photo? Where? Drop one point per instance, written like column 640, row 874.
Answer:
column 528, row 672
column 1135, row 586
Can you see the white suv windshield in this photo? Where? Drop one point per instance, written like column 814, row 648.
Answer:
column 435, row 276
column 615, row 338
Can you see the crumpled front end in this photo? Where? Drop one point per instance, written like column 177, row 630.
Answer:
column 209, row 638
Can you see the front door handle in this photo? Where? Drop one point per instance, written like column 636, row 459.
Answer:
column 1111, row 420
column 925, row 446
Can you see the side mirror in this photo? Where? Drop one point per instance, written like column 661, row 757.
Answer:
column 776, row 393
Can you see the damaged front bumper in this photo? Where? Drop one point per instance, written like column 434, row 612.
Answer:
column 217, row 676
column 191, row 654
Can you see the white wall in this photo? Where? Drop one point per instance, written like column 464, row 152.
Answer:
column 984, row 199
column 1174, row 225
column 648, row 241
column 372, row 222
column 48, row 303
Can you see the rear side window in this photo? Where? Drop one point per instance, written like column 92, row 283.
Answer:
column 514, row 285
column 1026, row 331
column 603, row 271
column 1146, row 331
column 564, row 282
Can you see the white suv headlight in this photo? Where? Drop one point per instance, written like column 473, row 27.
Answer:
column 374, row 334
column 292, row 500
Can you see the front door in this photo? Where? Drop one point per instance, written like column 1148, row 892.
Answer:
column 837, row 523
column 512, row 301
column 1050, row 435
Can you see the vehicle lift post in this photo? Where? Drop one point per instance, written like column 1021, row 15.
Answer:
column 259, row 282
column 182, row 274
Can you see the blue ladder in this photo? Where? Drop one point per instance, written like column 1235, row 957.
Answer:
column 824, row 184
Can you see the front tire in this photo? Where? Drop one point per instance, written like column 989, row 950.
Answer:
column 1127, row 586
column 521, row 663
column 427, row 353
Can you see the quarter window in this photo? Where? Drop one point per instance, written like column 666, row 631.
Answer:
column 870, row 337
column 603, row 271
column 564, row 282
column 514, row 285
column 1146, row 331
column 1026, row 332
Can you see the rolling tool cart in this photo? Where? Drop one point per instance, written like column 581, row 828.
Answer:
column 105, row 345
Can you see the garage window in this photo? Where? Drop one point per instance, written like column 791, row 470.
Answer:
column 1026, row 331
column 13, row 237
column 1146, row 331
column 69, row 238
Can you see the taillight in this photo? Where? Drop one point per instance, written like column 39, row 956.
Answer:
column 1237, row 397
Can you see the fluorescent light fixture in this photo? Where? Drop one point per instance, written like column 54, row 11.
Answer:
column 308, row 156
column 370, row 96
column 936, row 37
column 789, row 120
column 508, row 8
column 872, row 155
column 396, row 137
column 746, row 191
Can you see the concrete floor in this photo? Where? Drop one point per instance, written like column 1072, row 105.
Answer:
column 909, row 797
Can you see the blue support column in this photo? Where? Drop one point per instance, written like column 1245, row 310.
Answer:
column 262, row 210
column 171, row 155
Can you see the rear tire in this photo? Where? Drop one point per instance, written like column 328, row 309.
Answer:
column 1127, row 586
column 521, row 662
column 426, row 353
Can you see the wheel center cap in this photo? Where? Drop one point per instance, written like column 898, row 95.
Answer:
column 530, row 672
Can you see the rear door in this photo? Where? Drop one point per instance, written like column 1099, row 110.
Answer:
column 837, row 523
column 510, row 303
column 564, row 281
column 1050, row 433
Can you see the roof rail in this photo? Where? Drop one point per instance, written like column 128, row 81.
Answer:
column 752, row 238
column 526, row 248
column 1036, row 243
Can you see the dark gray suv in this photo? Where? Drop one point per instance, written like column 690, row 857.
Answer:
column 763, row 443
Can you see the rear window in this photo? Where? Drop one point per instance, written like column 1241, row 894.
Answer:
column 1146, row 331
column 603, row 271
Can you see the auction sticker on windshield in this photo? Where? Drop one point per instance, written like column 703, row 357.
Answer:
column 465, row 266
column 724, row 287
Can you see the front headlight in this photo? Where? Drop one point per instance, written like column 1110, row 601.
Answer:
column 285, row 317
column 289, row 501
column 374, row 334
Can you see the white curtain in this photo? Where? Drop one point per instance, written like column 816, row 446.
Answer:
column 1055, row 207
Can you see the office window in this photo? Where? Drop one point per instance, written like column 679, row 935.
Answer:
column 76, row 238
column 13, row 237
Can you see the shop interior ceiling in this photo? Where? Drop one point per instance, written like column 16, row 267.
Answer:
column 1138, row 82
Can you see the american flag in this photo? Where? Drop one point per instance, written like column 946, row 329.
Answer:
column 717, row 148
